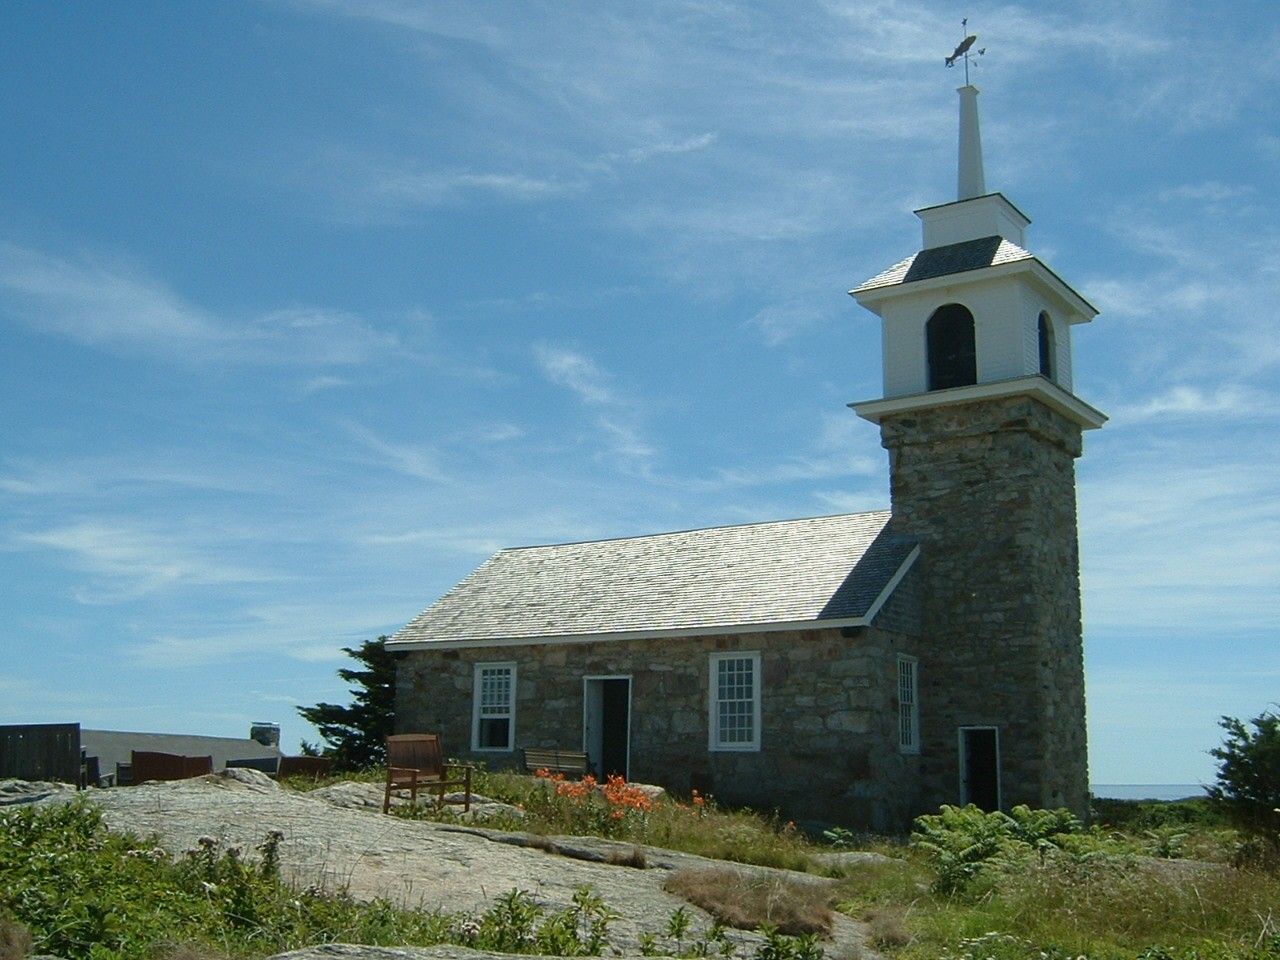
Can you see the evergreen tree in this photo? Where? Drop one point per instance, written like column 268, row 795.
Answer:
column 1248, row 787
column 355, row 735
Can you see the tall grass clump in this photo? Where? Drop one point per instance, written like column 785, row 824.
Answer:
column 552, row 805
column 1039, row 885
column 757, row 900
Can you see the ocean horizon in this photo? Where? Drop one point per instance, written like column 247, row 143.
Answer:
column 1147, row 791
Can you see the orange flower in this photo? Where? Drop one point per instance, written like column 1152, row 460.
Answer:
column 575, row 791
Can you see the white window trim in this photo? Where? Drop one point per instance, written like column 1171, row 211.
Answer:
column 909, row 710
column 510, row 666
column 713, row 739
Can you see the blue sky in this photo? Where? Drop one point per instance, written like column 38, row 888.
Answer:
column 308, row 306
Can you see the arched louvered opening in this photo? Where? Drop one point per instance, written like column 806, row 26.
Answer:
column 1048, row 368
column 953, row 359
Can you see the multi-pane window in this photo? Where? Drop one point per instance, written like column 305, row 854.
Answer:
column 735, row 701
column 908, row 705
column 493, row 718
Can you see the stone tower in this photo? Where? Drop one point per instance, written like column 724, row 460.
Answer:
column 982, row 430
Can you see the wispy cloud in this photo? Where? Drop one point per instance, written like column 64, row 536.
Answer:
column 319, row 384
column 447, row 188
column 1211, row 193
column 126, row 560
column 99, row 304
column 1227, row 400
column 615, row 417
column 172, row 468
column 312, row 336
column 579, row 373
column 1168, row 537
column 666, row 148
column 419, row 462
column 779, row 322
column 115, row 305
column 311, row 634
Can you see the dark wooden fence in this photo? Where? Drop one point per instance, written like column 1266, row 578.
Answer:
column 150, row 765
column 41, row 751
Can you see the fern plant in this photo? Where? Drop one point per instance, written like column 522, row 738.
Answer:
column 961, row 842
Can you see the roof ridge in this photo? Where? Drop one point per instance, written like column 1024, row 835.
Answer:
column 676, row 533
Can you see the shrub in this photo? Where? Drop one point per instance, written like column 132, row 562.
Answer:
column 515, row 924
column 1248, row 787
column 963, row 841
column 1136, row 816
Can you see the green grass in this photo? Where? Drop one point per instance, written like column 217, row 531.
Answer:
column 71, row 888
column 1148, row 881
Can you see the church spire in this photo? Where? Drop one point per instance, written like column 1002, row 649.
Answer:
column 971, row 182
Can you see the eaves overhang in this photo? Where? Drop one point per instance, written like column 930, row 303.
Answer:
column 995, row 195
column 872, row 294
column 1043, row 389
column 693, row 630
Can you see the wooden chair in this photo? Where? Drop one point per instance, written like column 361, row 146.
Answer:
column 416, row 761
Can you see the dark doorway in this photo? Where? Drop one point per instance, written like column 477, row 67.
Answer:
column 607, row 725
column 952, row 350
column 980, row 767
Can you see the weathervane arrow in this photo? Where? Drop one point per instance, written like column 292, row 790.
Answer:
column 962, row 50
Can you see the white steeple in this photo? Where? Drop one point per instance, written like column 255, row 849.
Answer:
column 973, row 265
column 971, row 182
column 974, row 213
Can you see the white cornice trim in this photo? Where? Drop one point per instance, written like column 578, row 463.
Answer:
column 987, row 197
column 1046, row 391
column 1083, row 310
column 705, row 630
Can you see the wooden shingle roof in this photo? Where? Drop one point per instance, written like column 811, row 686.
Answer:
column 951, row 259
column 822, row 571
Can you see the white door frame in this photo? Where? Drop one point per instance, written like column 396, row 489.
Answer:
column 964, row 758
column 593, row 719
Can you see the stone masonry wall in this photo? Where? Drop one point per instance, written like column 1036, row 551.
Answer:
column 829, row 747
column 989, row 489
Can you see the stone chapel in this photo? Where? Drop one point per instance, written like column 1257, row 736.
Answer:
column 857, row 669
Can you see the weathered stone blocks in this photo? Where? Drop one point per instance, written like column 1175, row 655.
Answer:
column 989, row 489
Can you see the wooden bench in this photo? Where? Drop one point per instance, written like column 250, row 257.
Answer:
column 569, row 762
